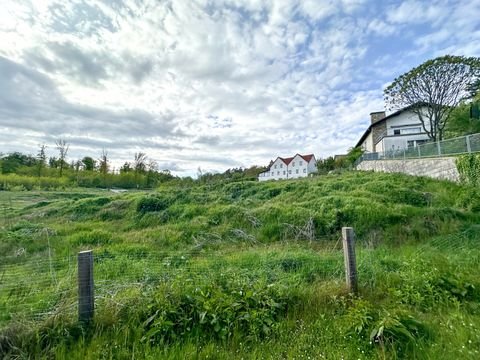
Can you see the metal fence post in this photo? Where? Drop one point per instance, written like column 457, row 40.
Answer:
column 85, row 286
column 348, row 237
column 469, row 147
column 439, row 148
column 419, row 153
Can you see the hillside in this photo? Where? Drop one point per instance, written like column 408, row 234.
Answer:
column 245, row 270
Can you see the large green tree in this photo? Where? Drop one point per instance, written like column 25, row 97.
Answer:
column 88, row 163
column 433, row 89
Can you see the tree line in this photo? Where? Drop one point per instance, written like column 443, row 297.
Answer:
column 39, row 170
column 142, row 172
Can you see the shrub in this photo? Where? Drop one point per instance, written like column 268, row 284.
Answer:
column 215, row 309
column 152, row 204
column 399, row 332
column 469, row 168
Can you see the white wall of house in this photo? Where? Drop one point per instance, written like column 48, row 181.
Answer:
column 403, row 131
column 278, row 170
column 367, row 144
column 264, row 176
column 312, row 166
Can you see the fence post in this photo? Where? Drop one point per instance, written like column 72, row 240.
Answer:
column 85, row 286
column 469, row 148
column 348, row 237
column 439, row 148
column 419, row 153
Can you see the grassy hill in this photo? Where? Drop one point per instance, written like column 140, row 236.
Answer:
column 245, row 270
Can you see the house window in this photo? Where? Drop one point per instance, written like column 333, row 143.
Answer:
column 410, row 143
column 275, row 166
column 304, row 170
column 289, row 171
column 396, row 132
column 278, row 172
column 273, row 173
column 297, row 171
column 281, row 165
column 301, row 163
column 283, row 172
column 293, row 163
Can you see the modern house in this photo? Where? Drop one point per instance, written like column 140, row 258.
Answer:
column 289, row 168
column 397, row 131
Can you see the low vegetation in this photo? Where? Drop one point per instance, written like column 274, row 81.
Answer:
column 243, row 269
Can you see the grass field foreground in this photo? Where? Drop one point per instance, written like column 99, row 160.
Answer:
column 245, row 270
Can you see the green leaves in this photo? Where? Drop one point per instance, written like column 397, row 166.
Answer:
column 215, row 309
column 433, row 89
column 469, row 168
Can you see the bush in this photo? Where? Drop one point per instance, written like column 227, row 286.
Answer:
column 215, row 309
column 152, row 204
column 19, row 182
column 469, row 168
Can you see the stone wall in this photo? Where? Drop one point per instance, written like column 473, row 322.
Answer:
column 378, row 130
column 437, row 168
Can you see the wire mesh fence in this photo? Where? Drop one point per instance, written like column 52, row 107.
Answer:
column 455, row 146
column 36, row 288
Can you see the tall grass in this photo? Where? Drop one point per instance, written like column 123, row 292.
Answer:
column 246, row 270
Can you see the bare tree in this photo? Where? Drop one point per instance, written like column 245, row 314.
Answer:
column 103, row 165
column 152, row 165
column 140, row 163
column 62, row 147
column 42, row 159
column 433, row 89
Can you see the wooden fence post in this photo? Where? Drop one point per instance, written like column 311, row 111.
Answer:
column 348, row 237
column 85, row 286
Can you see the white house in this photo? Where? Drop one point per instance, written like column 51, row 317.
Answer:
column 397, row 131
column 289, row 168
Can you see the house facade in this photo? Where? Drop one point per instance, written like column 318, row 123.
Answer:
column 397, row 131
column 294, row 167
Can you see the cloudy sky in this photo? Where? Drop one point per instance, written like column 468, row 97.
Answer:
column 212, row 84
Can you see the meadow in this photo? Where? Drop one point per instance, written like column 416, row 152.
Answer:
column 245, row 270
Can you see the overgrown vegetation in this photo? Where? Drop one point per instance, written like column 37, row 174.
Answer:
column 469, row 168
column 245, row 270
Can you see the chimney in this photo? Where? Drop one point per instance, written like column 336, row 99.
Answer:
column 377, row 116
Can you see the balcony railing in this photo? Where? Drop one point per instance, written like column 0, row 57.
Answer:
column 455, row 146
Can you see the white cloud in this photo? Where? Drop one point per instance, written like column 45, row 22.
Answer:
column 415, row 11
column 216, row 83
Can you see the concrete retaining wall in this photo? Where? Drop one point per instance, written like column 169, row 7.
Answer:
column 437, row 168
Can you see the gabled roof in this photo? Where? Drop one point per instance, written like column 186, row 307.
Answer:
column 308, row 157
column 398, row 112
column 288, row 160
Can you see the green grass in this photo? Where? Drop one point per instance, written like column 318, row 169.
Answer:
column 245, row 270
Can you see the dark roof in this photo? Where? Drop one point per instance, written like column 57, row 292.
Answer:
column 398, row 112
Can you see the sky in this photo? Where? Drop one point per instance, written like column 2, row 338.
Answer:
column 211, row 84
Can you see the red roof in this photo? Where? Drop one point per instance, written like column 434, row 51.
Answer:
column 308, row 157
column 288, row 160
